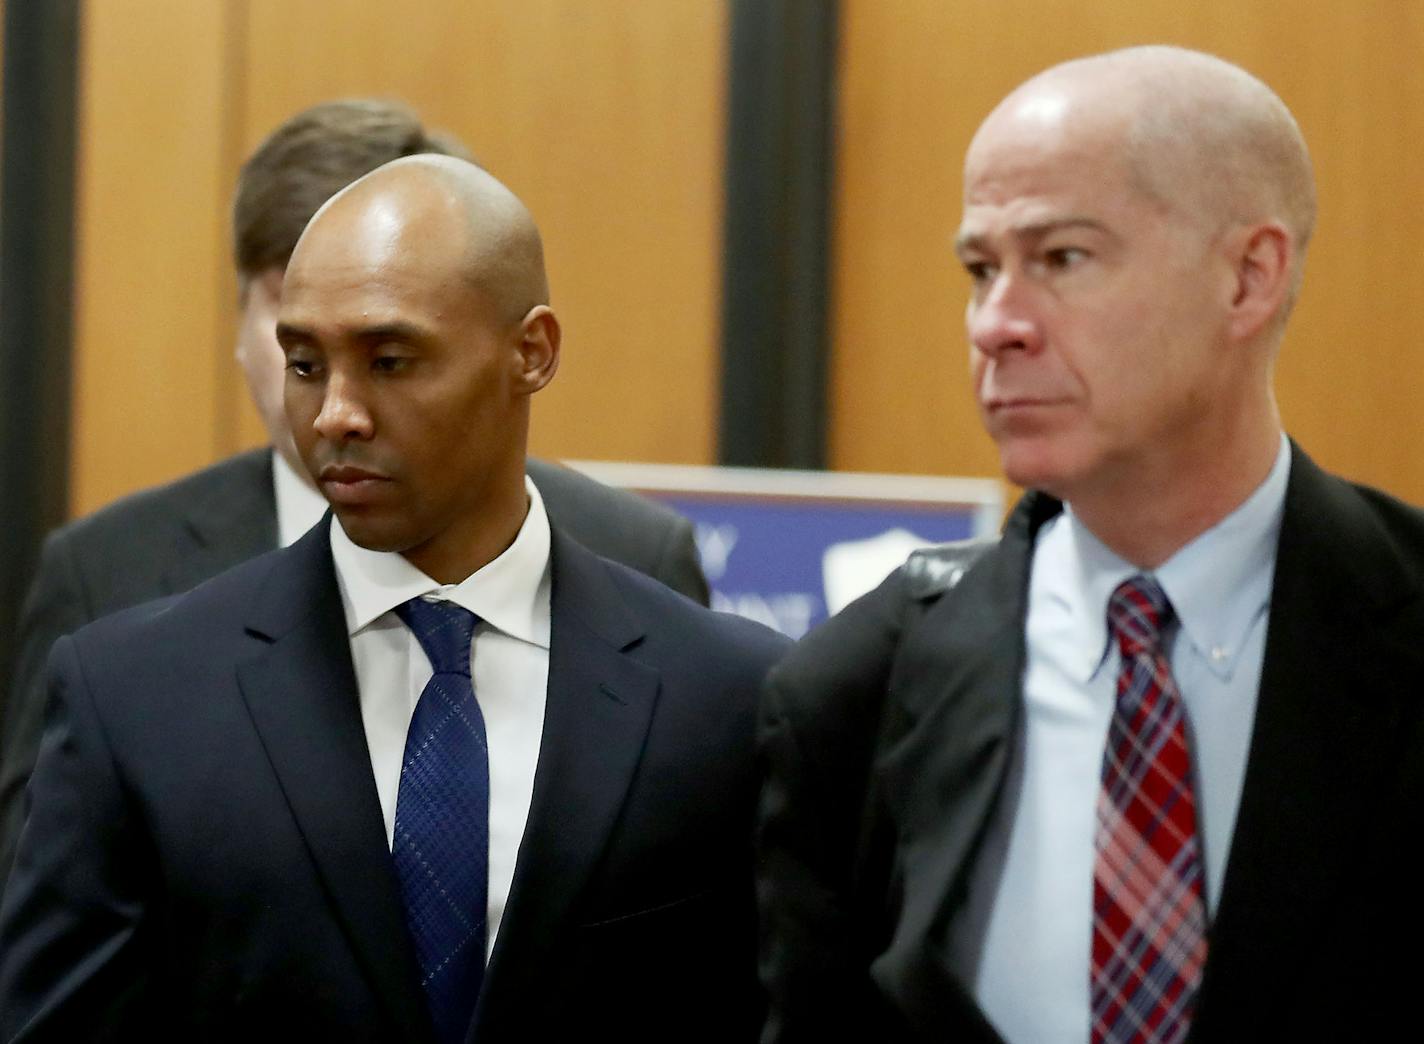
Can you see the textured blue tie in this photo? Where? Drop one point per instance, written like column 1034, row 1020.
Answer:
column 441, row 842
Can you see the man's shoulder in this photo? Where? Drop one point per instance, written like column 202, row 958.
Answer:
column 162, row 539
column 185, row 622
column 1333, row 525
column 578, row 494
column 674, row 630
column 622, row 525
column 1399, row 519
column 166, row 505
column 669, row 607
column 854, row 649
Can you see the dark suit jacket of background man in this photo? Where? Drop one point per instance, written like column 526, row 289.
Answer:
column 168, row 539
column 206, row 857
column 916, row 702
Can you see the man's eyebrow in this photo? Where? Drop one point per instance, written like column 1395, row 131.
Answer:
column 973, row 240
column 292, row 332
column 395, row 330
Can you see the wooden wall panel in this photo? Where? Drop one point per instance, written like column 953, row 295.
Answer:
column 149, row 373
column 605, row 117
column 919, row 75
column 607, row 120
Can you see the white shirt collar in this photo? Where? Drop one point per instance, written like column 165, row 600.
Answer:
column 510, row 593
column 1217, row 583
column 299, row 506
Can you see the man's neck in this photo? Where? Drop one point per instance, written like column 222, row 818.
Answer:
column 1147, row 517
column 472, row 543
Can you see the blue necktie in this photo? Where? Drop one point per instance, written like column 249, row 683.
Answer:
column 441, row 842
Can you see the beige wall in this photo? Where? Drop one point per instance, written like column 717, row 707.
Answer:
column 151, row 354
column 605, row 117
column 918, row 76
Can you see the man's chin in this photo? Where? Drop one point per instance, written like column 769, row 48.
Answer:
column 369, row 533
column 1035, row 464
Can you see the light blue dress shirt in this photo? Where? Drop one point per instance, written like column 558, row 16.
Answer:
column 1022, row 945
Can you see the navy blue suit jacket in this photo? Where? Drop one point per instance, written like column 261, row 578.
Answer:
column 169, row 539
column 206, row 858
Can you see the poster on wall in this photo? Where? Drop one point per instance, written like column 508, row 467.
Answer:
column 789, row 548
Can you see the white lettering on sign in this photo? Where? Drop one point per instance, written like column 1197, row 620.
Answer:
column 790, row 613
column 714, row 546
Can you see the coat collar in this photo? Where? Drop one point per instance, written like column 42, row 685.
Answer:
column 227, row 522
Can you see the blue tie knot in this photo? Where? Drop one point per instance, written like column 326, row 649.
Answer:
column 444, row 631
column 1138, row 612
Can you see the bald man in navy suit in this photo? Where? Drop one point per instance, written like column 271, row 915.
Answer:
column 233, row 814
column 168, row 539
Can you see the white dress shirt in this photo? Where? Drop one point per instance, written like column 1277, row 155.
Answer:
column 299, row 505
column 509, row 666
column 1023, row 943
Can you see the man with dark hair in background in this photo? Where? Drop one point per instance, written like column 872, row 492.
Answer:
column 166, row 540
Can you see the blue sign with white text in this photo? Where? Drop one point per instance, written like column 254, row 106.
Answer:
column 790, row 562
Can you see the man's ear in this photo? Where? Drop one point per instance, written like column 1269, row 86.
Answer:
column 539, row 336
column 1261, row 258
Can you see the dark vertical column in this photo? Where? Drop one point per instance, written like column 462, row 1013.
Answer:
column 780, row 138
column 36, row 281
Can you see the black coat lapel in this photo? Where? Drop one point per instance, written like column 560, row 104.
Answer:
column 302, row 695
column 600, row 703
column 235, row 521
column 956, row 684
column 1325, row 730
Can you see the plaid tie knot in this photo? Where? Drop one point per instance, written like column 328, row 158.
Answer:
column 1138, row 613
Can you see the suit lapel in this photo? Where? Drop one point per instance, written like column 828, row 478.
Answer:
column 302, row 696
column 1325, row 730
column 600, row 704
column 237, row 520
column 956, row 685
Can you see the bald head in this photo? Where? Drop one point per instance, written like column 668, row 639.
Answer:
column 1202, row 137
column 453, row 213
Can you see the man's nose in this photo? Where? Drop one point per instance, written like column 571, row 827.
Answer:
column 344, row 413
column 1001, row 318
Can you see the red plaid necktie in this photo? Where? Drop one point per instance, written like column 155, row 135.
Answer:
column 1149, row 918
